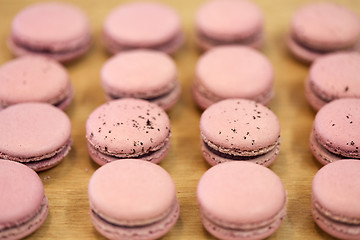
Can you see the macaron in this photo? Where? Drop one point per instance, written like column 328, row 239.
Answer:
column 23, row 204
column 232, row 72
column 335, row 199
column 333, row 76
column 141, row 24
column 139, row 203
column 35, row 134
column 241, row 201
column 147, row 74
column 33, row 78
column 223, row 22
column 53, row 29
column 128, row 128
column 235, row 130
column 323, row 27
column 335, row 133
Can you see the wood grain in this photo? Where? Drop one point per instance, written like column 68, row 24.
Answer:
column 66, row 184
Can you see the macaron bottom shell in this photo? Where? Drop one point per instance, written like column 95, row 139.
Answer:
column 23, row 229
column 255, row 232
column 154, row 157
column 147, row 232
column 214, row 157
column 334, row 227
column 322, row 154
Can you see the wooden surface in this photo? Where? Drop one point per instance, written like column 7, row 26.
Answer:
column 66, row 184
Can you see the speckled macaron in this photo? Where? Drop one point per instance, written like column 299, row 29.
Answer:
column 323, row 27
column 34, row 78
column 333, row 76
column 239, row 130
column 23, row 204
column 128, row 128
column 35, row 134
column 132, row 199
column 223, row 22
column 53, row 29
column 335, row 199
column 241, row 201
column 146, row 74
column 142, row 24
column 335, row 133
column 233, row 72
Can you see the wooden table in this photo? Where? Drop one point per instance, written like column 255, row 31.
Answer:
column 66, row 184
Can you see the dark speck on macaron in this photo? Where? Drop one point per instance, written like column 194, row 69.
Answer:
column 346, row 88
column 234, row 130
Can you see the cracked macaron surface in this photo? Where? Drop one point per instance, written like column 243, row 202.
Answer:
column 128, row 128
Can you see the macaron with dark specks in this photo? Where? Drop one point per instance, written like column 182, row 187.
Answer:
column 224, row 22
column 239, row 130
column 128, row 128
column 146, row 74
column 335, row 199
column 132, row 200
column 24, row 206
column 241, row 201
column 233, row 72
column 34, row 78
column 53, row 29
column 333, row 76
column 323, row 27
column 35, row 134
column 335, row 133
column 149, row 25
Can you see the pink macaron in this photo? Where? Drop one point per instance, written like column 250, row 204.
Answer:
column 239, row 130
column 143, row 25
column 323, row 27
column 241, row 201
column 335, row 133
column 222, row 22
column 233, row 72
column 34, row 78
column 23, row 204
column 53, row 29
column 335, row 199
column 132, row 199
column 333, row 76
column 146, row 74
column 128, row 128
column 35, row 134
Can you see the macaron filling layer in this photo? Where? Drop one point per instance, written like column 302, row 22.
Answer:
column 168, row 46
column 338, row 224
column 323, row 154
column 249, row 40
column 250, row 230
column 148, row 230
column 26, row 226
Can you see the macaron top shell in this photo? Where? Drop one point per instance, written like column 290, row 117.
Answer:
column 239, row 124
column 33, row 78
column 336, row 75
column 21, row 193
column 336, row 188
column 229, row 19
column 127, row 126
column 326, row 26
column 336, row 126
column 139, row 73
column 33, row 130
column 238, row 192
column 142, row 24
column 54, row 23
column 131, row 192
column 235, row 72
